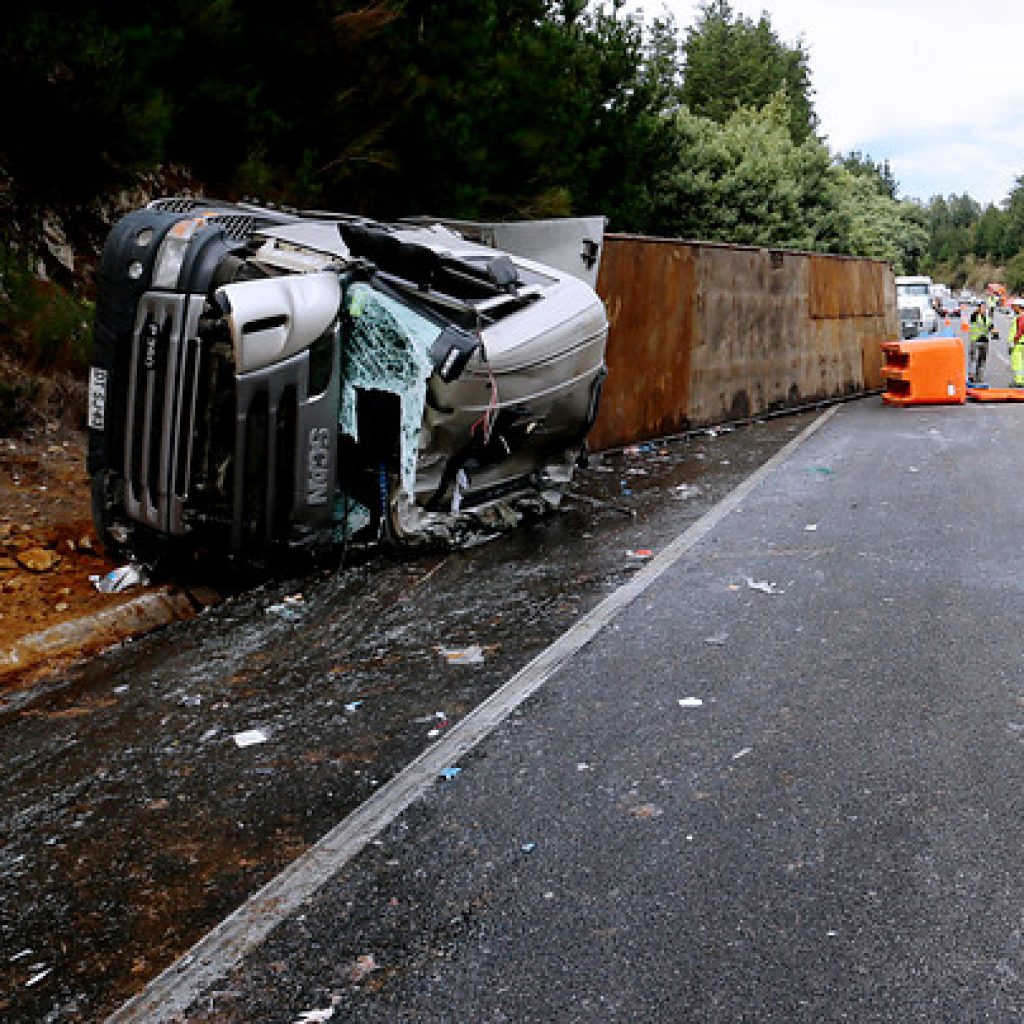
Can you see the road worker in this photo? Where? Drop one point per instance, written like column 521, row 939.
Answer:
column 1015, row 343
column 978, row 329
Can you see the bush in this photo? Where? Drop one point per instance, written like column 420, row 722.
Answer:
column 1015, row 274
column 47, row 327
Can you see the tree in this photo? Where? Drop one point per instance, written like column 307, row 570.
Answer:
column 874, row 224
column 879, row 174
column 988, row 233
column 745, row 181
column 732, row 62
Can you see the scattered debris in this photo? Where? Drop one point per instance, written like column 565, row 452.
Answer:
column 250, row 737
column 683, row 492
column 449, row 773
column 471, row 655
column 811, row 527
column 528, row 847
column 288, row 608
column 36, row 978
column 353, row 706
column 361, row 967
column 763, row 586
column 598, row 502
column 646, row 811
column 690, row 702
column 315, row 1016
column 438, row 729
column 117, row 581
column 642, row 554
column 38, row 559
column 742, row 753
column 718, row 640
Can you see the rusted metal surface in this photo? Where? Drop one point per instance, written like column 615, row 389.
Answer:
column 701, row 333
column 648, row 290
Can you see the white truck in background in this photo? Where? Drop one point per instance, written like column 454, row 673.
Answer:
column 914, row 292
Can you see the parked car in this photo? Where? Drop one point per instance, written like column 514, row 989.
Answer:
column 948, row 306
column 269, row 379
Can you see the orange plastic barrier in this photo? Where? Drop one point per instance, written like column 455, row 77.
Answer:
column 996, row 394
column 924, row 371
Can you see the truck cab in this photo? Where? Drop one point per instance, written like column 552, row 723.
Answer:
column 915, row 292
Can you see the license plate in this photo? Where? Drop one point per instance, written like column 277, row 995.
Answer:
column 97, row 397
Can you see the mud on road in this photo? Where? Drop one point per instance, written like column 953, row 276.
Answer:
column 150, row 791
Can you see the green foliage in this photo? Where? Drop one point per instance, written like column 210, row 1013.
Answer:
column 745, row 181
column 461, row 108
column 879, row 174
column 45, row 325
column 1014, row 278
column 732, row 62
column 871, row 223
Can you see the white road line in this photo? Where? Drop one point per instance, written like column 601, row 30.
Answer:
column 221, row 949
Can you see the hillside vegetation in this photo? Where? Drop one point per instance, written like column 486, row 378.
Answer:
column 466, row 109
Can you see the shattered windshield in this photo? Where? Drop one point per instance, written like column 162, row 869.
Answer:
column 387, row 348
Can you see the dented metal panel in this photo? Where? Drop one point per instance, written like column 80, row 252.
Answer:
column 648, row 290
column 703, row 332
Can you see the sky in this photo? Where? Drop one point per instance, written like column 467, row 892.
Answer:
column 934, row 86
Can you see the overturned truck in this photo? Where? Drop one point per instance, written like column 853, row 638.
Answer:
column 265, row 379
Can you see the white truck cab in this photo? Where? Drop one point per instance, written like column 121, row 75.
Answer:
column 915, row 291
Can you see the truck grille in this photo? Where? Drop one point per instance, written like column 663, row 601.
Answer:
column 161, row 409
column 266, row 433
column 238, row 225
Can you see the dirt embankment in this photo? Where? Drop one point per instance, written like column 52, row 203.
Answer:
column 48, row 548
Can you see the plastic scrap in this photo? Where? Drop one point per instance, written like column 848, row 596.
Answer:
column 471, row 655
column 763, row 586
column 353, row 705
column 250, row 737
column 742, row 753
column 528, row 847
column 119, row 580
column 811, row 527
column 640, row 553
column 288, row 608
column 683, row 492
column 449, row 773
column 36, row 978
column 690, row 702
column 315, row 1016
column 718, row 640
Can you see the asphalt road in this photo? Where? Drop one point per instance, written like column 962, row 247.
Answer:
column 132, row 822
column 783, row 783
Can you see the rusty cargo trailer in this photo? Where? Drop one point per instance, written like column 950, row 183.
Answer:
column 704, row 332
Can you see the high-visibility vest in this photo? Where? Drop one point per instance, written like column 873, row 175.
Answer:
column 1016, row 329
column 979, row 328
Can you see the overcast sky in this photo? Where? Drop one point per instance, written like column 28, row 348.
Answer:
column 934, row 86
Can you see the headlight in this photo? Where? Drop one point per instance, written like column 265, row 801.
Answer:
column 171, row 254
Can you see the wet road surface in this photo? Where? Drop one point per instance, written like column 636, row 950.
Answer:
column 134, row 818
column 783, row 783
